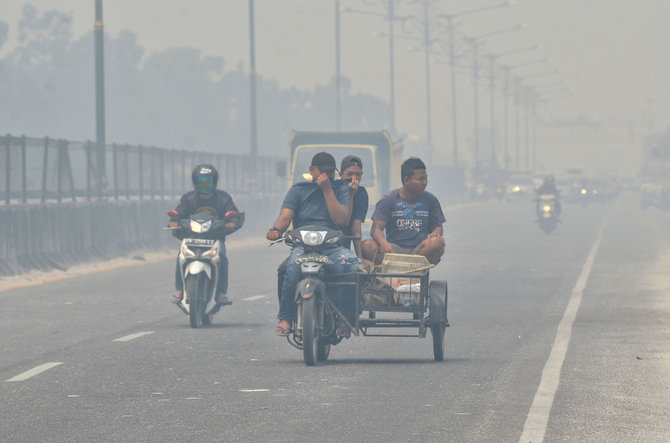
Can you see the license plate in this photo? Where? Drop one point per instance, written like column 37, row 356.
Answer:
column 199, row 242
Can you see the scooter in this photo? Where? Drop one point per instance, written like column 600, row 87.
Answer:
column 202, row 238
column 547, row 215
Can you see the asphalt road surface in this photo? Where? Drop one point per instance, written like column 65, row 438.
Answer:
column 560, row 337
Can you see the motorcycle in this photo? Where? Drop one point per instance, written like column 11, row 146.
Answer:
column 547, row 212
column 316, row 294
column 199, row 262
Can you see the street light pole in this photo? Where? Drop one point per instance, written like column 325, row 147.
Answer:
column 252, row 87
column 338, row 95
column 452, row 66
column 100, row 96
column 391, row 18
column 427, row 42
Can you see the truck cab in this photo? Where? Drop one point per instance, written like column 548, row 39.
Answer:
column 380, row 153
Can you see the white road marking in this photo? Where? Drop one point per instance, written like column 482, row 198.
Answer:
column 538, row 416
column 36, row 370
column 254, row 390
column 255, row 297
column 134, row 336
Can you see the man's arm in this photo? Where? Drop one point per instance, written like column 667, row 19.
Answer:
column 338, row 212
column 356, row 232
column 437, row 231
column 377, row 234
column 282, row 223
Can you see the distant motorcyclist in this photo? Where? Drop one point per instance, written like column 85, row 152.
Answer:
column 206, row 199
column 548, row 187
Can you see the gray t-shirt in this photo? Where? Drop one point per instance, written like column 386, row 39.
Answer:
column 307, row 202
column 408, row 222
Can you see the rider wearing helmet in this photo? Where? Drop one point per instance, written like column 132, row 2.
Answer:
column 206, row 199
column 548, row 187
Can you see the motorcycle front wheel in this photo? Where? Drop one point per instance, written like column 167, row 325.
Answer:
column 310, row 331
column 197, row 305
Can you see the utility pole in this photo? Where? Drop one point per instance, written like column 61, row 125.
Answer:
column 338, row 94
column 252, row 87
column 391, row 17
column 428, row 43
column 100, row 96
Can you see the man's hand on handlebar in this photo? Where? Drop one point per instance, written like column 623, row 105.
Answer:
column 173, row 224
column 273, row 234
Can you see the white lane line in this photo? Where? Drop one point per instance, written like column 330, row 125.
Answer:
column 254, row 390
column 36, row 370
column 255, row 297
column 133, row 336
column 538, row 416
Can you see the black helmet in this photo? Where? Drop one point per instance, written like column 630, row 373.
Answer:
column 204, row 178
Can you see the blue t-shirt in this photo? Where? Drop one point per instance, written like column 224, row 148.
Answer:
column 358, row 212
column 408, row 222
column 307, row 202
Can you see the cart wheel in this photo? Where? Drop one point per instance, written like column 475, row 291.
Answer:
column 322, row 351
column 437, row 332
column 437, row 315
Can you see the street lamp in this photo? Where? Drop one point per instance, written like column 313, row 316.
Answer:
column 338, row 96
column 506, row 95
column 100, row 97
column 474, row 41
column 452, row 63
column 390, row 16
column 252, row 88
column 492, row 59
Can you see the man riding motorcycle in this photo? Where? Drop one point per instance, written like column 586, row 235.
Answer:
column 548, row 187
column 206, row 199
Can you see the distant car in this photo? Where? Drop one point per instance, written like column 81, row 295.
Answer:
column 518, row 185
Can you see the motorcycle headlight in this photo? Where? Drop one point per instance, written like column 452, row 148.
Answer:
column 546, row 208
column 195, row 226
column 187, row 252
column 200, row 227
column 210, row 254
column 312, row 238
column 583, row 191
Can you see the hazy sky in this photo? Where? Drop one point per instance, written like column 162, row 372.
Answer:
column 613, row 53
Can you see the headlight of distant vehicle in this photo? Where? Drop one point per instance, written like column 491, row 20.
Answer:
column 313, row 238
column 516, row 188
column 546, row 208
column 583, row 191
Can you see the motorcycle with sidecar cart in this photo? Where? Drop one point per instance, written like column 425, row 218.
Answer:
column 395, row 299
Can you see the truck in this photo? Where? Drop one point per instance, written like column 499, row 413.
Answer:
column 654, row 176
column 380, row 153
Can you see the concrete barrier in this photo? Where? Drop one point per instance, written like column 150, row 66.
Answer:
column 56, row 236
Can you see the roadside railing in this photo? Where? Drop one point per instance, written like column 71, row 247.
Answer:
column 41, row 170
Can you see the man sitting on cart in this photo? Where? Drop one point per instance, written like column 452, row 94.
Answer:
column 323, row 202
column 411, row 217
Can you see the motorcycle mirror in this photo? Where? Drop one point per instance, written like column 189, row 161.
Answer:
column 172, row 213
column 231, row 214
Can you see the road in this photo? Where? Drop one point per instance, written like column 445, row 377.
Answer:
column 106, row 357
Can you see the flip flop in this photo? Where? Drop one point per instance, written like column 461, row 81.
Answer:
column 282, row 332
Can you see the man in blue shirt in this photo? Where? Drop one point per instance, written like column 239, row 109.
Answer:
column 351, row 171
column 411, row 217
column 324, row 202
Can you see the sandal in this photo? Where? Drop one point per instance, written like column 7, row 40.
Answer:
column 344, row 330
column 177, row 298
column 281, row 330
column 223, row 300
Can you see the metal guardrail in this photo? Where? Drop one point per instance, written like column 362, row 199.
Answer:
column 40, row 170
